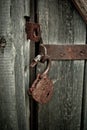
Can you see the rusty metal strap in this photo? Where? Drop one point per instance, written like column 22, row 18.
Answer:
column 66, row 52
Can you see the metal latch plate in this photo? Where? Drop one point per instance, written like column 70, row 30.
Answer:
column 66, row 52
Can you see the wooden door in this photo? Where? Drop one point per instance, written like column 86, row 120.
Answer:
column 61, row 24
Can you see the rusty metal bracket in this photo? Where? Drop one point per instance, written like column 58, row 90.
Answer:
column 66, row 52
column 32, row 30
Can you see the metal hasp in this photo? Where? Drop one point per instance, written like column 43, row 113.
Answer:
column 33, row 31
column 66, row 52
column 81, row 6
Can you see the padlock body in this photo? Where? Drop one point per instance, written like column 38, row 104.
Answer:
column 42, row 89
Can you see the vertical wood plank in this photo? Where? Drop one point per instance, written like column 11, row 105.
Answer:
column 14, row 66
column 26, row 46
column 18, row 10
column 60, row 23
column 8, row 113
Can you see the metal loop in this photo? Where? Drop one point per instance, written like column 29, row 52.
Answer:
column 47, row 58
column 42, row 58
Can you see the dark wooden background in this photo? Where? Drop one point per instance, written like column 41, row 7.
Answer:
column 60, row 24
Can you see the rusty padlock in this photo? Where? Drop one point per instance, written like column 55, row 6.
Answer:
column 42, row 88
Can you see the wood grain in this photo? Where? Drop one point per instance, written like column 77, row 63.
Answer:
column 8, row 113
column 14, row 105
column 60, row 23
column 21, row 64
column 26, row 50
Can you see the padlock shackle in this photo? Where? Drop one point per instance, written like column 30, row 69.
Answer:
column 47, row 58
column 42, row 57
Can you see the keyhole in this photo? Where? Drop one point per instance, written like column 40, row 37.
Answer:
column 47, row 94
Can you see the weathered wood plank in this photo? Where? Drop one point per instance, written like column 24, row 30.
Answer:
column 8, row 113
column 18, row 10
column 61, row 24
column 26, row 46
